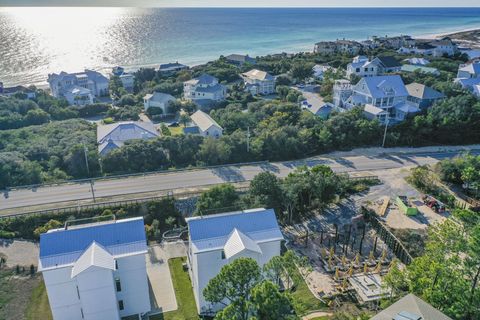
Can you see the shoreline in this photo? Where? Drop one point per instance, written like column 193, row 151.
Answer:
column 132, row 68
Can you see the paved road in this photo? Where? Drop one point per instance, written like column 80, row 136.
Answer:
column 205, row 177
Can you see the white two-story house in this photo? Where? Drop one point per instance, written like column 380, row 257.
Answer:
column 158, row 100
column 96, row 271
column 361, row 66
column 259, row 82
column 78, row 88
column 204, row 90
column 216, row 240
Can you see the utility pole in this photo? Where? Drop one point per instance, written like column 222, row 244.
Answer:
column 85, row 152
column 386, row 128
column 248, row 139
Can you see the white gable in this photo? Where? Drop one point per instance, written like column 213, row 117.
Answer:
column 239, row 242
column 96, row 256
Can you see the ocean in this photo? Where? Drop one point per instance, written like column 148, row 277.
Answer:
column 37, row 41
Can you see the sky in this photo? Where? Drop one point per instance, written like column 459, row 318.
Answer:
column 244, row 3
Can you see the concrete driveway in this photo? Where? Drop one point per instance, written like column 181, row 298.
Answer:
column 162, row 294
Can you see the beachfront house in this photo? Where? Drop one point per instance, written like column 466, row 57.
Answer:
column 339, row 46
column 422, row 96
column 96, row 271
column 17, row 90
column 204, row 125
column 410, row 307
column 171, row 68
column 384, row 92
column 127, row 79
column 258, row 82
column 113, row 136
column 158, row 100
column 395, row 42
column 218, row 239
column 78, row 88
column 204, row 90
column 435, row 48
column 240, row 60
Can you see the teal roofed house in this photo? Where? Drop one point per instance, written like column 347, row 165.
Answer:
column 418, row 68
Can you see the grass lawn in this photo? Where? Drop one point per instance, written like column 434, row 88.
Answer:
column 305, row 301
column 38, row 307
column 175, row 131
column 187, row 309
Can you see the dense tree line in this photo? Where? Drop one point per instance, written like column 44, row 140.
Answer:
column 463, row 171
column 302, row 192
column 159, row 216
column 18, row 111
column 53, row 151
column 447, row 275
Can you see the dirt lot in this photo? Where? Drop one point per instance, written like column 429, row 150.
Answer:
column 22, row 296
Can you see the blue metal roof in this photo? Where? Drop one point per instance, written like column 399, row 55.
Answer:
column 210, row 232
column 118, row 237
column 380, row 85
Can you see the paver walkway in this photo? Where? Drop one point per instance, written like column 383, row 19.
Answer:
column 162, row 293
column 317, row 315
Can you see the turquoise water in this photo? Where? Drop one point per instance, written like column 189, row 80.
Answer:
column 37, row 41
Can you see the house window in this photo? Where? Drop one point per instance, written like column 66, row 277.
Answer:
column 223, row 255
column 81, row 311
column 118, row 285
column 78, row 293
column 120, row 305
column 116, row 265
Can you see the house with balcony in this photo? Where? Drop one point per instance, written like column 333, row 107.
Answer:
column 258, row 82
column 96, row 270
column 423, row 96
column 73, row 86
column 361, row 66
column 384, row 92
column 217, row 240
column 204, row 90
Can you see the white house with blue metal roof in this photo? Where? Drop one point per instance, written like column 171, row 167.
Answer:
column 216, row 240
column 96, row 271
